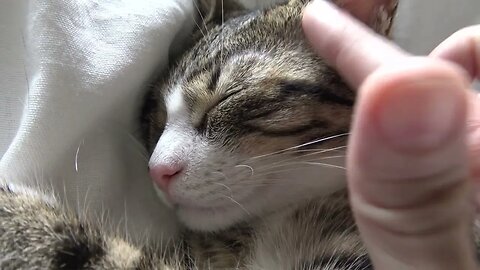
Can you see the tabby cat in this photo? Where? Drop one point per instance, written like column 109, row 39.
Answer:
column 247, row 136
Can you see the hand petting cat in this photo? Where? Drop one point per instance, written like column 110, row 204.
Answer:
column 414, row 152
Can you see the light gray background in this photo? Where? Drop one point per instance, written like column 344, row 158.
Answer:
column 422, row 24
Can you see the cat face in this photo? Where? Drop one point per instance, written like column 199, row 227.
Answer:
column 249, row 122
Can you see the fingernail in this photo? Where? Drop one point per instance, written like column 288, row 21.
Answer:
column 422, row 115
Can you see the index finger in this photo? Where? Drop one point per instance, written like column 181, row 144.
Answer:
column 463, row 48
column 352, row 48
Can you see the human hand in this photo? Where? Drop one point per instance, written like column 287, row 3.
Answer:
column 411, row 151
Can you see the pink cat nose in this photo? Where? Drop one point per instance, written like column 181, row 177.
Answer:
column 164, row 174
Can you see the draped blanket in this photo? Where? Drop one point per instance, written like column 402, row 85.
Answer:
column 87, row 63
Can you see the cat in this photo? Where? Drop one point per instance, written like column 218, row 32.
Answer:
column 247, row 137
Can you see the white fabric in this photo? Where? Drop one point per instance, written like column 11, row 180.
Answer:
column 71, row 81
column 88, row 62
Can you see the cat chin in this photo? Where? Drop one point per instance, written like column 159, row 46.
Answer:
column 260, row 201
column 266, row 202
column 210, row 219
column 205, row 218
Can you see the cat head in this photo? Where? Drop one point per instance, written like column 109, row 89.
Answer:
column 249, row 121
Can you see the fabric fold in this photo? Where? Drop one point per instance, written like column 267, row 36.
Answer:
column 88, row 62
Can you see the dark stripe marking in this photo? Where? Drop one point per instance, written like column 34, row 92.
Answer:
column 297, row 130
column 324, row 94
column 214, row 79
column 76, row 250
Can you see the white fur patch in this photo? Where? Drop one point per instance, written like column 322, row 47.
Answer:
column 176, row 107
column 174, row 141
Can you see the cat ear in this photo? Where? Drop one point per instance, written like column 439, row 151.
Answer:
column 218, row 11
column 377, row 14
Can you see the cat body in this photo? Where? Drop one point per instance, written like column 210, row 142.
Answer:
column 37, row 234
column 247, row 136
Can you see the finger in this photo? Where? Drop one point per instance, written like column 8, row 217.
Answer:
column 463, row 48
column 407, row 167
column 368, row 11
column 352, row 48
column 473, row 138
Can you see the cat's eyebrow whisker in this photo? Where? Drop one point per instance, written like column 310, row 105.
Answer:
column 199, row 27
column 301, row 145
column 201, row 16
column 221, row 33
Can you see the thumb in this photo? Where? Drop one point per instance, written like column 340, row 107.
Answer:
column 407, row 167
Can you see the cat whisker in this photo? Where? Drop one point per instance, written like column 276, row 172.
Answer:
column 333, row 157
column 221, row 34
column 126, row 220
column 301, row 145
column 76, row 154
column 246, row 166
column 199, row 27
column 85, row 202
column 295, row 165
column 27, row 80
column 237, row 203
column 321, row 140
column 309, row 157
column 259, row 185
column 261, row 181
column 201, row 16
column 324, row 164
column 225, row 186
column 138, row 147
column 312, row 156
column 319, row 155
column 317, row 150
column 222, row 174
column 270, row 171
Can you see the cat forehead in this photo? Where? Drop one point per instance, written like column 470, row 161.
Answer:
column 240, row 57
